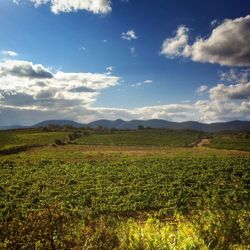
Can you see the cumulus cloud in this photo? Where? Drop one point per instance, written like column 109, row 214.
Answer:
column 173, row 47
column 57, row 6
column 28, row 86
column 239, row 87
column 227, row 45
column 129, row 35
column 233, row 91
column 227, row 101
column 214, row 110
column 24, row 69
column 9, row 53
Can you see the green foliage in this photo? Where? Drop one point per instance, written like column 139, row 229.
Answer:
column 127, row 185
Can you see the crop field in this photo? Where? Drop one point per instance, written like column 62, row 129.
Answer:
column 125, row 197
column 159, row 137
column 229, row 141
column 9, row 139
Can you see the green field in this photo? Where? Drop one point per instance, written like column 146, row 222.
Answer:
column 9, row 139
column 157, row 137
column 231, row 141
column 125, row 196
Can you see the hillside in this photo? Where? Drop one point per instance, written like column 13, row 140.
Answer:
column 157, row 123
column 153, row 123
column 59, row 123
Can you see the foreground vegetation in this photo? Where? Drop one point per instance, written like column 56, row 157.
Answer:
column 125, row 197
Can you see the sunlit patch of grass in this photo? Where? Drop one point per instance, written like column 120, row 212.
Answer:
column 156, row 235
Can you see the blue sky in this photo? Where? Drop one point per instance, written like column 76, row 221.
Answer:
column 130, row 55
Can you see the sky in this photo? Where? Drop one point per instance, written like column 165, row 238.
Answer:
column 86, row 60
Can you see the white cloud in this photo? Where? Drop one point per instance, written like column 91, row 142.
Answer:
column 129, row 35
column 21, row 69
column 141, row 83
column 227, row 102
column 202, row 89
column 214, row 111
column 173, row 112
column 110, row 68
column 148, row 81
column 214, row 22
column 9, row 53
column 233, row 91
column 57, row 6
column 227, row 45
column 235, row 76
column 239, row 87
column 173, row 47
column 28, row 86
column 37, row 3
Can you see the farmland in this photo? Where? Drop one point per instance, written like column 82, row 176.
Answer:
column 24, row 138
column 125, row 196
column 238, row 141
column 159, row 137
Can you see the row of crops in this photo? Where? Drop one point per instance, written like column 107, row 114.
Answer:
column 127, row 185
column 203, row 202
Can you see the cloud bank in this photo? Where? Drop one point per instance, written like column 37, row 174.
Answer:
column 27, row 87
column 31, row 92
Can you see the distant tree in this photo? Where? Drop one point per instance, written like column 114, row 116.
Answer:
column 53, row 127
column 67, row 127
column 140, row 127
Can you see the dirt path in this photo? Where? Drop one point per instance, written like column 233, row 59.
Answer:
column 203, row 142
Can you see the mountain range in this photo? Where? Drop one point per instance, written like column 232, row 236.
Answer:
column 153, row 123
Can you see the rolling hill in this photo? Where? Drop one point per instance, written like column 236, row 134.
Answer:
column 153, row 123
